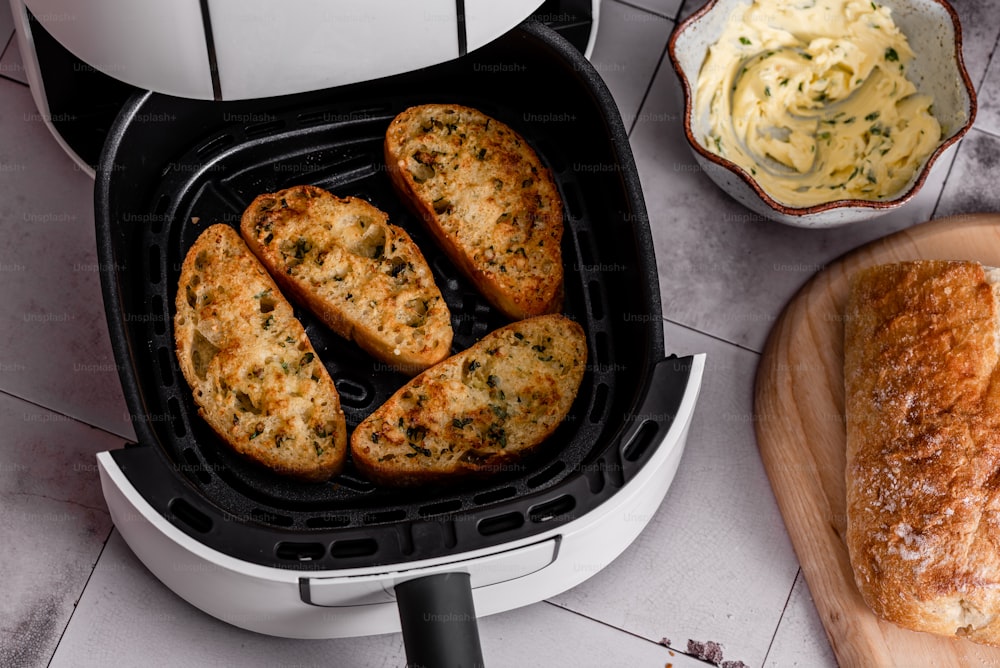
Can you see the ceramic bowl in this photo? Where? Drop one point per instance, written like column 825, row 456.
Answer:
column 933, row 31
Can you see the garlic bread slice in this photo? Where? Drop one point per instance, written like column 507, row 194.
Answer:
column 479, row 411
column 363, row 277
column 488, row 200
column 254, row 374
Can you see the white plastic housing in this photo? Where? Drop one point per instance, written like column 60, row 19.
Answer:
column 264, row 48
column 161, row 45
column 362, row 601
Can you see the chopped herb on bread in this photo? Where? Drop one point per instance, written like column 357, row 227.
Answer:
column 479, row 411
column 254, row 374
column 488, row 200
column 363, row 277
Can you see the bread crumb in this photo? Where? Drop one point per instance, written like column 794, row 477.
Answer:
column 706, row 651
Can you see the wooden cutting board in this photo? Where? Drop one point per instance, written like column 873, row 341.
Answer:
column 799, row 417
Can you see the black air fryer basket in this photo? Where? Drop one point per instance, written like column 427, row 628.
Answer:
column 171, row 167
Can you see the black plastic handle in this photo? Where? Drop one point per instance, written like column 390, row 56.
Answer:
column 439, row 624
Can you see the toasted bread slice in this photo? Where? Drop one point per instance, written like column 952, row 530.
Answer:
column 364, row 278
column 488, row 200
column 255, row 376
column 479, row 411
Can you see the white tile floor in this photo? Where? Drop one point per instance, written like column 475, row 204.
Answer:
column 714, row 564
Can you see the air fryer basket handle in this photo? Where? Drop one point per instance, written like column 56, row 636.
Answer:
column 438, row 619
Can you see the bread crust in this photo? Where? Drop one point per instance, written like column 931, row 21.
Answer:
column 253, row 372
column 363, row 277
column 923, row 446
column 486, row 198
column 478, row 412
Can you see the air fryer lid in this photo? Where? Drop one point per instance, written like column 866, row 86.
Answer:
column 172, row 167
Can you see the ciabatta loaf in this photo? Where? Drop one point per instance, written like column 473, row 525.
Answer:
column 923, row 445
column 363, row 277
column 477, row 412
column 255, row 376
column 487, row 199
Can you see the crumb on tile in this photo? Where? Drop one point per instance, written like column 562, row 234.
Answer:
column 706, row 651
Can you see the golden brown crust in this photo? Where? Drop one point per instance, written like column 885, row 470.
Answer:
column 363, row 277
column 487, row 199
column 923, row 446
column 253, row 372
column 478, row 412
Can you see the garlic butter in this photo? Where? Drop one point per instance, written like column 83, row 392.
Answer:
column 811, row 98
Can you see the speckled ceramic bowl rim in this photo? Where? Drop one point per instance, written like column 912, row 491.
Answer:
column 835, row 204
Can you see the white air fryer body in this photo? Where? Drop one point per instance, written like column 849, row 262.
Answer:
column 362, row 601
column 243, row 49
column 262, row 48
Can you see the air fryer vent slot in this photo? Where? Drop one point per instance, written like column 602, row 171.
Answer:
column 600, row 403
column 642, row 439
column 601, row 348
column 354, row 484
column 166, row 368
column 289, row 551
column 348, row 549
column 214, row 145
column 176, row 421
column 154, row 264
column 583, row 243
column 444, row 269
column 384, row 516
column 189, row 515
column 269, row 517
column 439, row 508
column 596, row 302
column 195, row 466
column 571, row 198
column 328, row 522
column 544, row 512
column 353, row 393
column 157, row 314
column 263, row 129
column 313, row 118
column 159, row 214
column 595, row 478
column 501, row 523
column 548, row 474
column 495, row 495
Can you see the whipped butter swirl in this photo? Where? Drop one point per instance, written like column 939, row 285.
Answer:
column 811, row 98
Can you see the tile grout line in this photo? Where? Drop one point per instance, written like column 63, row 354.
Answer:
column 13, row 81
column 947, row 176
column 3, row 51
column 784, row 609
column 77, row 601
column 626, row 3
column 656, row 70
column 649, row 88
column 54, row 411
column 625, row 631
column 958, row 146
column 714, row 337
column 6, row 45
column 986, row 70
